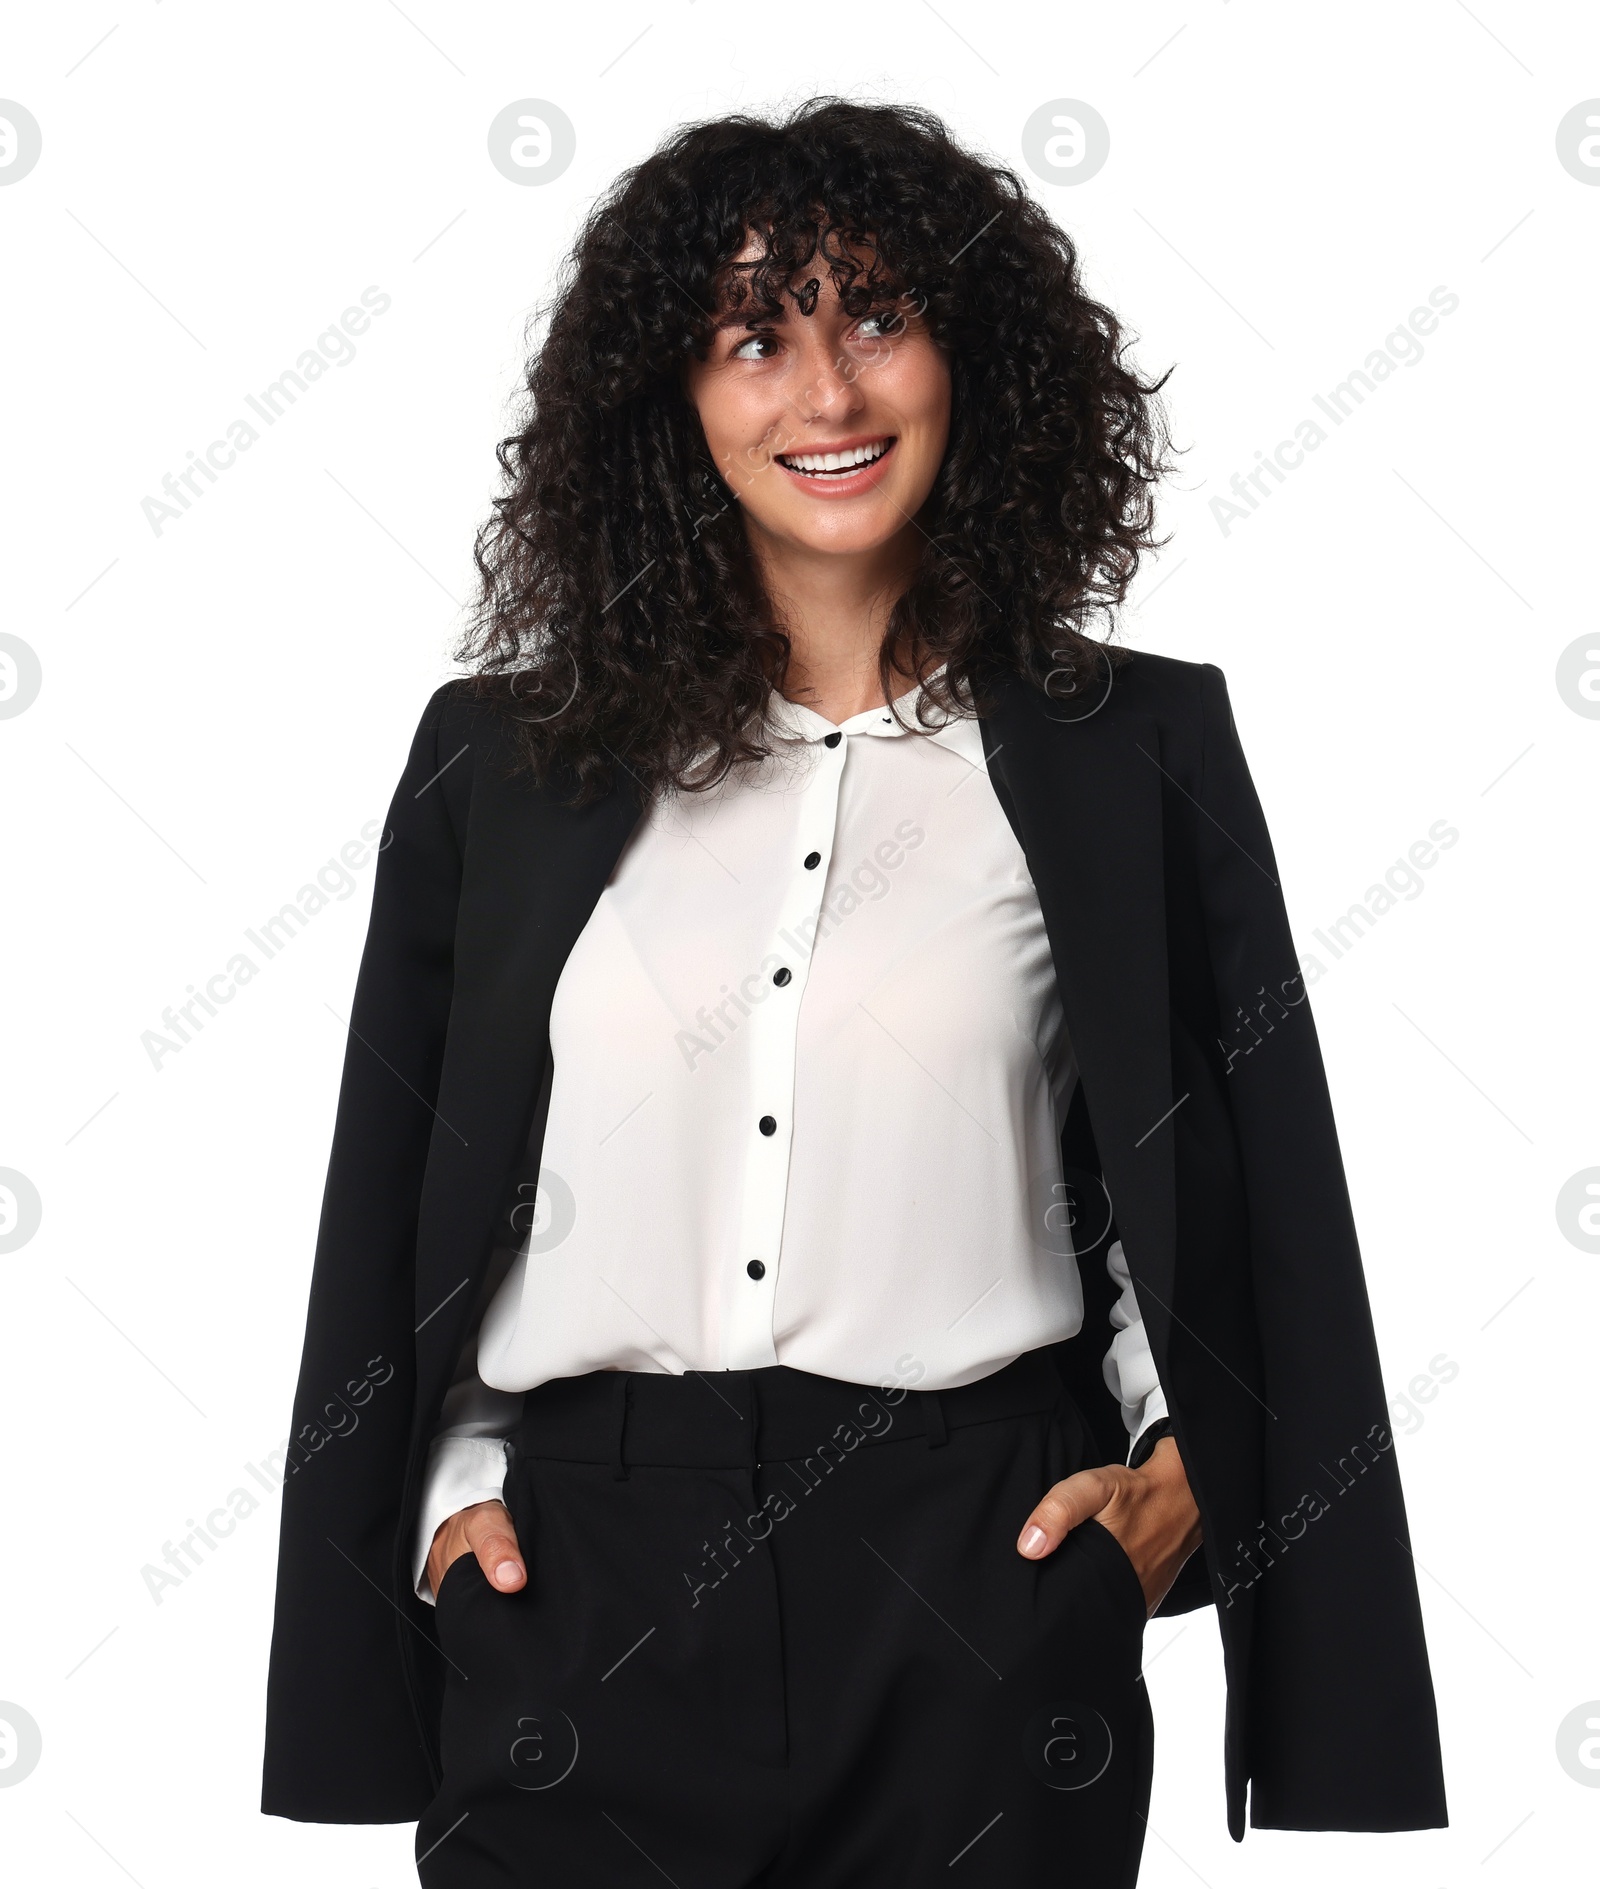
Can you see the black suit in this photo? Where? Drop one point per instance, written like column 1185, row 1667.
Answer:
column 1203, row 1105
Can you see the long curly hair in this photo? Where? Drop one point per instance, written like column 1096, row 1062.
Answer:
column 620, row 620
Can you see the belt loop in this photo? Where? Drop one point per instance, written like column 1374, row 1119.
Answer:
column 624, row 1398
column 933, row 1423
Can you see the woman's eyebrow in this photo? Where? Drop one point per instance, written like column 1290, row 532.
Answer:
column 750, row 318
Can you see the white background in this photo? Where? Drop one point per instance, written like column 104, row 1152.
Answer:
column 225, row 704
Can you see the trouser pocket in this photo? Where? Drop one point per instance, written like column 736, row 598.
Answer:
column 1121, row 1577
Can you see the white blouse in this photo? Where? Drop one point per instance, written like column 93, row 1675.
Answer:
column 810, row 1071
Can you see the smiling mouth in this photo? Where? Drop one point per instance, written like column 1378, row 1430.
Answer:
column 840, row 465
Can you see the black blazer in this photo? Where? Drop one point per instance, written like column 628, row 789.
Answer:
column 1202, row 1114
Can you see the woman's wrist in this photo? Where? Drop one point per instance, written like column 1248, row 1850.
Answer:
column 1165, row 1477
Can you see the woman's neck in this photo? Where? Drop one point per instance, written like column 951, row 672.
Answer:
column 835, row 609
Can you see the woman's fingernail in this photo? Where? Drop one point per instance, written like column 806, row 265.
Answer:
column 507, row 1573
column 1033, row 1540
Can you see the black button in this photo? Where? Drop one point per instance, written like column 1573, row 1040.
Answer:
column 756, row 1270
column 813, row 860
column 833, row 740
column 768, row 1125
column 782, row 974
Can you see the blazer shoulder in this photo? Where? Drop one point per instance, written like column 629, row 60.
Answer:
column 1178, row 696
column 1167, row 687
column 456, row 733
column 1186, row 701
column 454, row 708
column 461, row 720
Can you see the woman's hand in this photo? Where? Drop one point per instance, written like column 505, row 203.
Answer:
column 1150, row 1511
column 486, row 1530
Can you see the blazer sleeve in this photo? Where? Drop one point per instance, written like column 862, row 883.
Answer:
column 335, row 1661
column 1344, row 1733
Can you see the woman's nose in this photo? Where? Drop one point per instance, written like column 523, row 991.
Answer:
column 830, row 390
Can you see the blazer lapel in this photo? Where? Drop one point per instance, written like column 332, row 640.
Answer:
column 532, row 874
column 1086, row 806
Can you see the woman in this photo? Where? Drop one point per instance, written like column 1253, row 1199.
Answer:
column 834, row 1198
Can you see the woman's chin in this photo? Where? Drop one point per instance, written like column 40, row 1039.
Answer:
column 841, row 530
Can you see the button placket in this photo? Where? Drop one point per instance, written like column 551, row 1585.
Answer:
column 772, row 1036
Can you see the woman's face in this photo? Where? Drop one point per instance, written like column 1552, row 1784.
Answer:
column 785, row 399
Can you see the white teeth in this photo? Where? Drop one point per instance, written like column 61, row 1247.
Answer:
column 836, row 462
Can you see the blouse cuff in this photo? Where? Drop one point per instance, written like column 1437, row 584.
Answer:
column 461, row 1470
column 1154, row 1412
column 1129, row 1369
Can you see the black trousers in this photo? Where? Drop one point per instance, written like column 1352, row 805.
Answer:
column 776, row 1635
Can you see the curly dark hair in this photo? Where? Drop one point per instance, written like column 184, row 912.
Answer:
column 621, row 620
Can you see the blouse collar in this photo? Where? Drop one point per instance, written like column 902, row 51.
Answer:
column 795, row 721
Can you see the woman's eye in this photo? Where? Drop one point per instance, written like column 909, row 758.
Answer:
column 882, row 327
column 754, row 348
